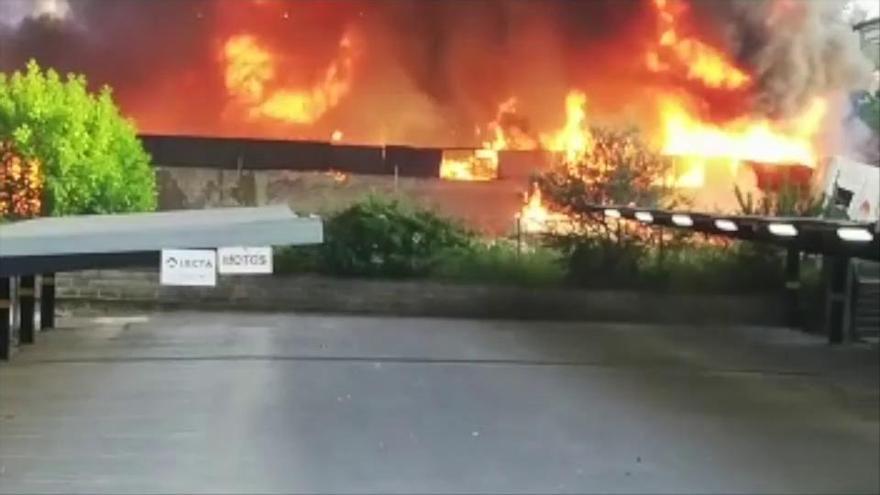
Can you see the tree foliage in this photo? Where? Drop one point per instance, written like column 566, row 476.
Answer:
column 92, row 159
column 619, row 169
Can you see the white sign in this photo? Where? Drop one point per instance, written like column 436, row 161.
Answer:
column 189, row 267
column 237, row 260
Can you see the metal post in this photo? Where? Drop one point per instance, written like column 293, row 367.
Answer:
column 836, row 300
column 26, row 304
column 47, row 301
column 849, row 302
column 5, row 319
column 793, row 285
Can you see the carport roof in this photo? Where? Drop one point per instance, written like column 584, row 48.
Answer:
column 106, row 236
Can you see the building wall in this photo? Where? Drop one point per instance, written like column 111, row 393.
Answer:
column 487, row 206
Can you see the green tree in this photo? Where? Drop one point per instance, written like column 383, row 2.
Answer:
column 93, row 161
column 619, row 169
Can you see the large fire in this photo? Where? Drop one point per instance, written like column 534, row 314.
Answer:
column 688, row 56
column 480, row 78
column 689, row 67
column 573, row 141
column 251, row 78
column 695, row 143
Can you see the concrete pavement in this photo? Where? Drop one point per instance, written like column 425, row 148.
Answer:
column 275, row 403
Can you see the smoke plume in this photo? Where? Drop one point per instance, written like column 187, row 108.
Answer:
column 429, row 71
column 795, row 49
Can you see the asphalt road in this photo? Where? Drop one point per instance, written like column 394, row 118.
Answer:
column 269, row 403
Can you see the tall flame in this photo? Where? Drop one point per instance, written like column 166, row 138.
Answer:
column 483, row 163
column 699, row 143
column 251, row 70
column 573, row 140
column 698, row 61
column 248, row 68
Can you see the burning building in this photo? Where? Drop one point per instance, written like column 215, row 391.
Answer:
column 484, row 91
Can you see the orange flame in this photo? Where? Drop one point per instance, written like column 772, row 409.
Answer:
column 536, row 218
column 698, row 61
column 574, row 140
column 697, row 143
column 251, row 70
column 249, row 67
column 482, row 164
column 745, row 139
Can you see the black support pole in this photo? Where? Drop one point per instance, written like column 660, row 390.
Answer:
column 27, row 305
column 836, row 306
column 5, row 317
column 793, row 286
column 47, row 301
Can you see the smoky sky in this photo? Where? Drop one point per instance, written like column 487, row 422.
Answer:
column 454, row 60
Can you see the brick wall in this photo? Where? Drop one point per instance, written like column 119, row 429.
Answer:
column 416, row 298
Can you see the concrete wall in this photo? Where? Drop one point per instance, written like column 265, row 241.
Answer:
column 488, row 206
column 415, row 298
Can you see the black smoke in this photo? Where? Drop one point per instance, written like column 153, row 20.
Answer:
column 430, row 70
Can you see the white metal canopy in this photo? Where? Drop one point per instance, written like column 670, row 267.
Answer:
column 145, row 232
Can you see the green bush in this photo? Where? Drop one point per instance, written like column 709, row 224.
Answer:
column 737, row 268
column 501, row 263
column 384, row 238
column 93, row 161
column 684, row 267
column 297, row 259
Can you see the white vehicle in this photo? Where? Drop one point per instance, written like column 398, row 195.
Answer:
column 852, row 188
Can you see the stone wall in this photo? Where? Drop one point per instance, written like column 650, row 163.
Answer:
column 415, row 298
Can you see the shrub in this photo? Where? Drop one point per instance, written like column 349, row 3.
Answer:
column 708, row 268
column 297, row 259
column 379, row 237
column 501, row 263
column 92, row 159
column 685, row 267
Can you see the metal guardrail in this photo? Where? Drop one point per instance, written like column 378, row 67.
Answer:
column 840, row 238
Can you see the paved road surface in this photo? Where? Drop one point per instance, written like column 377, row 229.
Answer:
column 264, row 403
